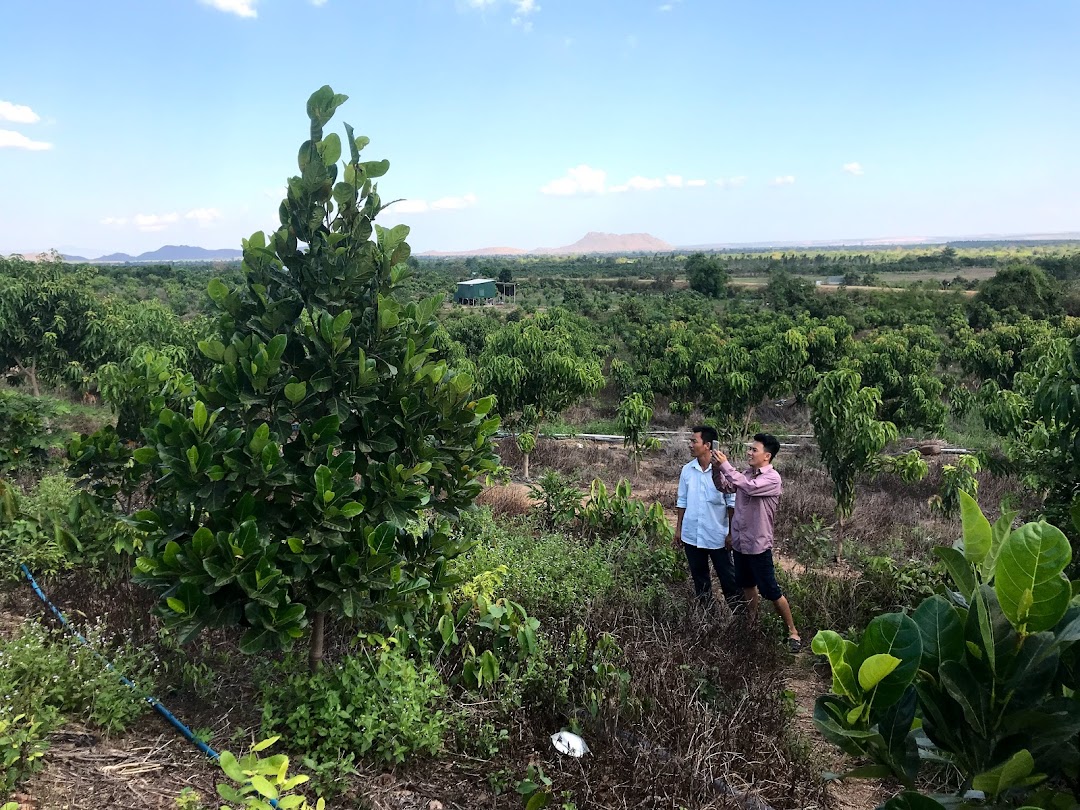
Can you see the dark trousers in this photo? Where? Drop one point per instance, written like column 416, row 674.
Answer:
column 698, row 560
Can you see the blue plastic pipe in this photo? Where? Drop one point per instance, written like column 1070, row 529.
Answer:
column 158, row 707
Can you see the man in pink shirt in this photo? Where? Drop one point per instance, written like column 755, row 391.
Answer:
column 757, row 492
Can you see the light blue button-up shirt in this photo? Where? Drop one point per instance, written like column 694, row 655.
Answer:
column 705, row 522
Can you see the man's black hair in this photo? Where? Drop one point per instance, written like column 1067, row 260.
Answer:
column 708, row 434
column 770, row 443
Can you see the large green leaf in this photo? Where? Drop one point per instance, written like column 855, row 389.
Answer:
column 959, row 568
column 843, row 658
column 1000, row 532
column 875, row 669
column 829, row 714
column 897, row 635
column 978, row 536
column 962, row 686
column 942, row 632
column 1015, row 771
column 988, row 628
column 1033, row 591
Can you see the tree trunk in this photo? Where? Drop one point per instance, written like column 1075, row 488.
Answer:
column 315, row 658
column 31, row 372
column 840, row 539
column 525, row 463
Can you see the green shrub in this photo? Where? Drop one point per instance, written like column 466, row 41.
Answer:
column 556, row 500
column 22, row 746
column 50, row 499
column 28, row 542
column 24, row 429
column 549, row 574
column 50, row 676
column 956, row 478
column 982, row 677
column 257, row 780
column 379, row 705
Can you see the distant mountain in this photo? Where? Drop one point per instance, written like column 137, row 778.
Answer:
column 592, row 242
column 177, row 253
column 491, row 251
column 595, row 242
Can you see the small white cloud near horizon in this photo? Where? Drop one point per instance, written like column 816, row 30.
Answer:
column 731, row 182
column 241, row 8
column 155, row 222
column 581, row 179
column 783, row 180
column 584, row 179
column 10, row 139
column 854, row 168
column 17, row 113
column 639, row 183
column 203, row 216
column 454, row 203
column 114, row 222
column 668, row 6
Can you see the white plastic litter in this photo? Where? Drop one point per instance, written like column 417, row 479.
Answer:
column 570, row 744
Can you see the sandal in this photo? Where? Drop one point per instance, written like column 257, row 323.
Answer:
column 794, row 644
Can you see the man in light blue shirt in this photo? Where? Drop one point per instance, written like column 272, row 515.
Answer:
column 704, row 517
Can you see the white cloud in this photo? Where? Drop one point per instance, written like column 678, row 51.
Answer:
column 586, row 180
column 16, row 140
column 782, row 180
column 241, row 8
column 521, row 10
column 17, row 113
column 155, row 222
column 409, row 206
column 731, row 182
column 203, row 216
column 454, row 203
column 853, row 168
column 114, row 222
column 665, row 7
column 318, row 3
column 579, row 180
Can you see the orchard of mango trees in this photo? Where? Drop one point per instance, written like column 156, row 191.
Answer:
column 361, row 536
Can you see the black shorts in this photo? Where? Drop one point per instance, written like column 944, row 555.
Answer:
column 757, row 570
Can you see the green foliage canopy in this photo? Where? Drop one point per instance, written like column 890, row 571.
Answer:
column 310, row 471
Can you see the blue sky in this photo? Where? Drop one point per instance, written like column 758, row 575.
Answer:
column 129, row 124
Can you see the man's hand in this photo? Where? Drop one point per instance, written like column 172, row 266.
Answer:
column 676, row 540
column 718, row 456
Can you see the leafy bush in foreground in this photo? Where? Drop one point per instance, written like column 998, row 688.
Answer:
column 379, row 705
column 990, row 670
